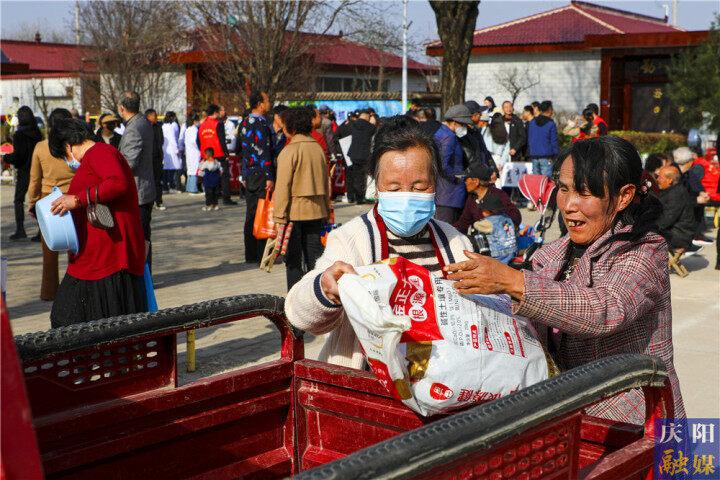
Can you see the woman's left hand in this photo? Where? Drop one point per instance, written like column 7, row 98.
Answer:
column 64, row 204
column 485, row 275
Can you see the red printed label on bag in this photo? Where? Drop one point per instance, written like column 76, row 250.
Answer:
column 438, row 391
column 474, row 336
column 413, row 297
column 511, row 347
column 488, row 343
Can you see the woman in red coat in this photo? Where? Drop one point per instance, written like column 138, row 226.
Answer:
column 105, row 277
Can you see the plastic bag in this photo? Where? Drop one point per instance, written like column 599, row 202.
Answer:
column 432, row 348
column 264, row 226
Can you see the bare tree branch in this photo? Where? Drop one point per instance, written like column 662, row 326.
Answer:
column 515, row 80
column 131, row 41
column 39, row 98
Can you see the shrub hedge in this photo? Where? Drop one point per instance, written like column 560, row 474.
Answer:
column 645, row 142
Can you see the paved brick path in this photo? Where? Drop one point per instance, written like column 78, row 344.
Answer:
column 199, row 256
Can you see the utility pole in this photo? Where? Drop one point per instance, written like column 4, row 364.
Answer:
column 77, row 22
column 404, row 58
column 674, row 12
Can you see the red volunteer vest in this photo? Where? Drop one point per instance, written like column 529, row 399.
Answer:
column 207, row 133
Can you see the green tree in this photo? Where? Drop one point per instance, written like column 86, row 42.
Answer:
column 695, row 81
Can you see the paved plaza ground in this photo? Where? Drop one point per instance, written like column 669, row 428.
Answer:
column 199, row 256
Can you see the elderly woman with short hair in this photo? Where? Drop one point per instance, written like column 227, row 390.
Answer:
column 105, row 277
column 602, row 289
column 404, row 163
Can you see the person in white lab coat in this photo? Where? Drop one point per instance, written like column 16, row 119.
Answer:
column 192, row 153
column 172, row 163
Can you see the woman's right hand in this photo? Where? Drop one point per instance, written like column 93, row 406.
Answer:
column 330, row 277
column 64, row 204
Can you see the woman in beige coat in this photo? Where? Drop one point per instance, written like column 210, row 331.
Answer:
column 301, row 193
column 47, row 172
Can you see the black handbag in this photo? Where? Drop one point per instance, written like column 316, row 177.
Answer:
column 98, row 215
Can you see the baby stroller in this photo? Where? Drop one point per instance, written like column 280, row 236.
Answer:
column 539, row 190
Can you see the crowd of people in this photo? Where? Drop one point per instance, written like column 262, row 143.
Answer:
column 293, row 155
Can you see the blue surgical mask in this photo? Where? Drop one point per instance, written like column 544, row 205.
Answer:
column 74, row 164
column 406, row 213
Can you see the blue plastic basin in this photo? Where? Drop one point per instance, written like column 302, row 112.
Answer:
column 58, row 231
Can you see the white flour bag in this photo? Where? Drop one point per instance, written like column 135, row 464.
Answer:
column 433, row 348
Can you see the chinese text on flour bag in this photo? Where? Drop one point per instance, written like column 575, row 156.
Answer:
column 432, row 348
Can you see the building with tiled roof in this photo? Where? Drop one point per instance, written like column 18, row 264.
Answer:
column 45, row 75
column 348, row 75
column 578, row 54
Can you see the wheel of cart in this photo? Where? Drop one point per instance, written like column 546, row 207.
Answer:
column 103, row 402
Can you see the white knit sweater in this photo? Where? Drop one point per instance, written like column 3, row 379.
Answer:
column 358, row 243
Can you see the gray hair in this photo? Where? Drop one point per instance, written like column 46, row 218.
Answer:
column 399, row 134
column 683, row 155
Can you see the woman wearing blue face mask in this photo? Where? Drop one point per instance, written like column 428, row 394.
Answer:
column 105, row 277
column 404, row 163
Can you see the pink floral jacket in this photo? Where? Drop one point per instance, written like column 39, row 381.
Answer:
column 617, row 300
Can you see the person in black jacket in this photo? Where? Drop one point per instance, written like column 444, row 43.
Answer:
column 157, row 155
column 677, row 223
column 430, row 125
column 482, row 153
column 362, row 132
column 106, row 132
column 26, row 136
column 343, row 129
column 692, row 175
column 514, row 130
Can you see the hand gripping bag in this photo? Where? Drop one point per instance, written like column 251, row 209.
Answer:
column 434, row 349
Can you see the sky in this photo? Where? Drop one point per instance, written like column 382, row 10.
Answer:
column 692, row 15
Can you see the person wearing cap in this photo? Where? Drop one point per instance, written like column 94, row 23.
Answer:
column 474, row 130
column 106, row 132
column 450, row 196
column 480, row 183
column 456, row 119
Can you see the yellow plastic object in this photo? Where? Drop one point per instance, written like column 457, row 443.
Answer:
column 190, row 351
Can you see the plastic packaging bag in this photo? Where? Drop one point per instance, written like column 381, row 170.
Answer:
column 432, row 348
column 264, row 226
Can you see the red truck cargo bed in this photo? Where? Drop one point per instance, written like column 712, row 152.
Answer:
column 106, row 404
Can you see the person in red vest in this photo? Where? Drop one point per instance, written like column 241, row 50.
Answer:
column 597, row 120
column 211, row 134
